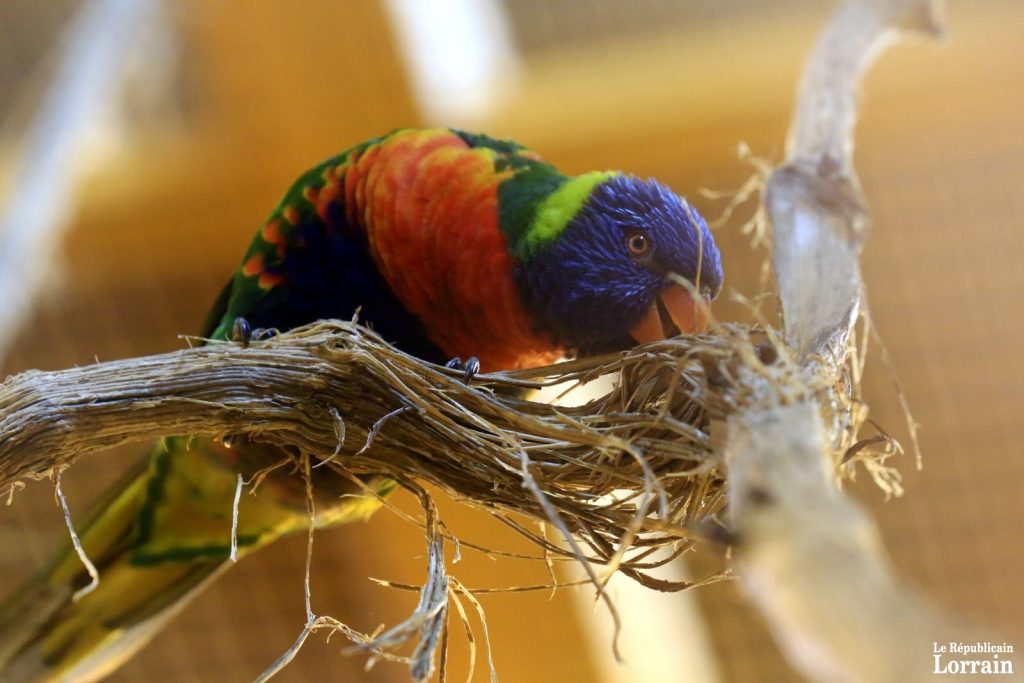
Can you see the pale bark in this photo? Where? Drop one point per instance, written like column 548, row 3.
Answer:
column 808, row 555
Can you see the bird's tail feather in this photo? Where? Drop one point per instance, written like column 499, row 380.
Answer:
column 47, row 635
column 156, row 539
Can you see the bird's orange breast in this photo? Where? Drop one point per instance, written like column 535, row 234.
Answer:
column 429, row 205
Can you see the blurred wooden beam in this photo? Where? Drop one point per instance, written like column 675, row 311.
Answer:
column 307, row 77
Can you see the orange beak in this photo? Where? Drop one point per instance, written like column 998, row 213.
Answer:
column 674, row 312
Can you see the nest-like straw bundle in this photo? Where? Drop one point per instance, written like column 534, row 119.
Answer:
column 622, row 476
column 632, row 468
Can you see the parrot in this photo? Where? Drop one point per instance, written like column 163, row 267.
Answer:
column 450, row 245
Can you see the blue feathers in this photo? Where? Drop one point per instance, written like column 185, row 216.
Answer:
column 587, row 289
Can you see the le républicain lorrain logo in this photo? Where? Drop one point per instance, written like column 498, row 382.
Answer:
column 972, row 658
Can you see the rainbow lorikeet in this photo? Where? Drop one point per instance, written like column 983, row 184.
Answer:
column 450, row 244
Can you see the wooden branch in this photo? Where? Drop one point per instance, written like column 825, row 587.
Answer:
column 812, row 561
column 281, row 392
column 818, row 216
column 332, row 389
column 809, row 557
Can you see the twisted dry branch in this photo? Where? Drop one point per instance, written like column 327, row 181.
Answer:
column 809, row 557
column 635, row 463
column 629, row 472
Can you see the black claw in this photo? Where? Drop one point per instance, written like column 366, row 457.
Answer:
column 241, row 332
column 469, row 369
column 263, row 333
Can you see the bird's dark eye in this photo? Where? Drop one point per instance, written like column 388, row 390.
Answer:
column 638, row 244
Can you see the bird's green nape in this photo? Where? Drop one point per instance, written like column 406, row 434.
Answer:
column 536, row 202
column 555, row 211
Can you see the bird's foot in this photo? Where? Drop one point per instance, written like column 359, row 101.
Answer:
column 264, row 333
column 469, row 369
column 243, row 333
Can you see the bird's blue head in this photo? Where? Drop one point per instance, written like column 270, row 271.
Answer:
column 599, row 267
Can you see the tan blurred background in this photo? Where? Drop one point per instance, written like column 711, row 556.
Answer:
column 203, row 113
